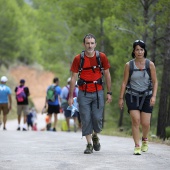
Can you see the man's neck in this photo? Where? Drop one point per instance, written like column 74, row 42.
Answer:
column 89, row 54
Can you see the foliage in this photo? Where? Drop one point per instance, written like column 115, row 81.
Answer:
column 51, row 32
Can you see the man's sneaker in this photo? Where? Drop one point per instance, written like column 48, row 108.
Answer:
column 89, row 149
column 24, row 129
column 4, row 128
column 137, row 151
column 18, row 128
column 48, row 126
column 144, row 147
column 96, row 144
column 54, row 129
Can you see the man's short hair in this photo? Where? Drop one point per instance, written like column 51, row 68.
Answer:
column 55, row 80
column 89, row 36
column 22, row 81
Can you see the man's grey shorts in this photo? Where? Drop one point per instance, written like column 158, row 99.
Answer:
column 22, row 108
column 91, row 116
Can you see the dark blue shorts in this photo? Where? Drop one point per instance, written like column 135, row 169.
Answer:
column 67, row 113
column 133, row 106
column 53, row 109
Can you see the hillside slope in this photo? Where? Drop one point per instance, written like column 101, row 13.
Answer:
column 37, row 80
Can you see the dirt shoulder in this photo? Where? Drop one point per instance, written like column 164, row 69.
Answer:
column 37, row 80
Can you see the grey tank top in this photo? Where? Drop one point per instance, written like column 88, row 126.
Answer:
column 139, row 80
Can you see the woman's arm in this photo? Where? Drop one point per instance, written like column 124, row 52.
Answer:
column 123, row 86
column 154, row 83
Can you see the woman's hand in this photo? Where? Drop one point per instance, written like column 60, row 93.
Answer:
column 121, row 103
column 153, row 100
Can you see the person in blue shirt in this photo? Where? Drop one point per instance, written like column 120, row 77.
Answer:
column 5, row 100
column 54, row 106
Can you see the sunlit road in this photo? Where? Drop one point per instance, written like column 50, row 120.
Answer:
column 41, row 150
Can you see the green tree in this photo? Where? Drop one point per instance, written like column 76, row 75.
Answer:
column 10, row 33
column 164, row 103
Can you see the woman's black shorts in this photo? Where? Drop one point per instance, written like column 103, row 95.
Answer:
column 133, row 106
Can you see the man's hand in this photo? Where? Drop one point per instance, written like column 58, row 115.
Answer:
column 70, row 101
column 109, row 98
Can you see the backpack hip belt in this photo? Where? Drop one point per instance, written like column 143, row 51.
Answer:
column 81, row 82
column 142, row 94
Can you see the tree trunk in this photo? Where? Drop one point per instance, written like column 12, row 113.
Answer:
column 165, row 89
column 121, row 118
column 102, row 50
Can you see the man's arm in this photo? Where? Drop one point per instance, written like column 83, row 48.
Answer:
column 108, row 84
column 28, row 94
column 72, row 86
column 10, row 102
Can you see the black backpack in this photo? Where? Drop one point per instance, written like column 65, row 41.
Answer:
column 144, row 93
column 99, row 81
column 147, row 68
column 93, row 67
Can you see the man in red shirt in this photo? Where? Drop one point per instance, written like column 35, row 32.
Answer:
column 91, row 93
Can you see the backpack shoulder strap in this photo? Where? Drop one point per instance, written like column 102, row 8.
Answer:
column 131, row 67
column 67, row 87
column 81, row 62
column 147, row 67
column 98, row 60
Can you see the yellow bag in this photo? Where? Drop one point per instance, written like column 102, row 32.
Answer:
column 64, row 126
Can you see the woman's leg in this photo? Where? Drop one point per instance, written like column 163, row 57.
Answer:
column 135, row 119
column 145, row 122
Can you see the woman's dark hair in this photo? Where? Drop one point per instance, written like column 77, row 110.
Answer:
column 142, row 45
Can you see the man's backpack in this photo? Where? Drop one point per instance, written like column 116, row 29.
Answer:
column 93, row 67
column 74, row 92
column 51, row 94
column 20, row 94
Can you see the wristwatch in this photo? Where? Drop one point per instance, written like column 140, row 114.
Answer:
column 109, row 93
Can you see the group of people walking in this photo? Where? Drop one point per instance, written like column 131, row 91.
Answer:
column 139, row 89
column 22, row 94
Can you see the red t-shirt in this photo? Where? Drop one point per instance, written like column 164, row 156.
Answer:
column 89, row 75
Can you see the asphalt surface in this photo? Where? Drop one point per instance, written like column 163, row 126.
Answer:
column 42, row 150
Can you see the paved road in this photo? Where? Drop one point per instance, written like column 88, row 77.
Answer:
column 41, row 150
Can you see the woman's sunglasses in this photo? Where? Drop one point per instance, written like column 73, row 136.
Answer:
column 139, row 41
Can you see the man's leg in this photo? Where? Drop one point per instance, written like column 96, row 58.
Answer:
column 75, row 123
column 67, row 114
column 68, row 123
column 19, row 109
column 55, row 121
column 97, row 118
column 4, row 121
column 5, row 112
column 0, row 118
column 25, row 112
